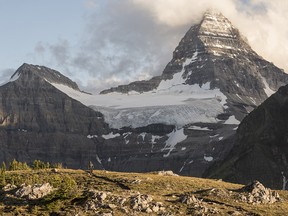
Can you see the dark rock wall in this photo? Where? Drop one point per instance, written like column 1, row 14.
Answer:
column 37, row 121
column 261, row 145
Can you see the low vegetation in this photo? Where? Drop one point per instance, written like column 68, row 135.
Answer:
column 113, row 193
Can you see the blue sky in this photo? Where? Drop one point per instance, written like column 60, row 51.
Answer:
column 24, row 23
column 27, row 23
column 102, row 43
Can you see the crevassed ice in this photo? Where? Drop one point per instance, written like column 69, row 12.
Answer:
column 172, row 103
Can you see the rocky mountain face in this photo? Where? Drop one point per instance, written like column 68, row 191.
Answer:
column 260, row 150
column 212, row 58
column 183, row 120
column 215, row 52
column 37, row 121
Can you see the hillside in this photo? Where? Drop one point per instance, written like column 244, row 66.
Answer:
column 260, row 146
column 79, row 192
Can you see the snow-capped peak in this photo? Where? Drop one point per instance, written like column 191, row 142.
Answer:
column 215, row 24
column 220, row 37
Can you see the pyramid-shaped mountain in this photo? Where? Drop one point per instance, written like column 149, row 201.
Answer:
column 183, row 120
column 37, row 121
column 214, row 52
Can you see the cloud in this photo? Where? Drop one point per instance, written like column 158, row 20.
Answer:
column 129, row 40
column 61, row 52
column 90, row 4
column 125, row 43
column 263, row 22
column 183, row 12
column 5, row 75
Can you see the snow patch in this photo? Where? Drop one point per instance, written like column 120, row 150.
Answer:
column 237, row 84
column 155, row 138
column 143, row 135
column 185, row 165
column 220, row 138
column 110, row 135
column 208, row 158
column 175, row 137
column 98, row 159
column 91, row 136
column 125, row 135
column 199, row 128
column 238, row 96
column 253, row 101
column 267, row 88
column 232, row 120
column 214, row 136
column 182, row 167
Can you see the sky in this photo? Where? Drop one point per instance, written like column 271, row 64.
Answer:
column 104, row 43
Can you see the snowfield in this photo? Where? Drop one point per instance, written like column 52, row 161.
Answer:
column 172, row 103
column 138, row 110
column 179, row 115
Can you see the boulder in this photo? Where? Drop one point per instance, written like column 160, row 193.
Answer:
column 36, row 191
column 258, row 194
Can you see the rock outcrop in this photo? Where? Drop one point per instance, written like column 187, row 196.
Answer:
column 258, row 194
column 33, row 192
column 102, row 193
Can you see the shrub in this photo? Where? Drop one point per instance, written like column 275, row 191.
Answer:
column 38, row 164
column 17, row 165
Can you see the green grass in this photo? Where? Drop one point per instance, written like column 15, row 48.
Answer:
column 72, row 187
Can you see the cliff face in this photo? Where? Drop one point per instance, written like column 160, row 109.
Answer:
column 37, row 121
column 261, row 146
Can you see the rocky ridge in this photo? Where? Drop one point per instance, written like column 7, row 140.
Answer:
column 29, row 73
column 37, row 121
column 260, row 146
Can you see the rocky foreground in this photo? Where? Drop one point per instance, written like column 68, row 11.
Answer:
column 78, row 192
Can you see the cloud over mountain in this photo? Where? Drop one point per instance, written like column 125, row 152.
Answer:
column 134, row 39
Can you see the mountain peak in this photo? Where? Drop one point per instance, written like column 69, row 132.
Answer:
column 220, row 37
column 216, row 24
column 214, row 54
column 28, row 72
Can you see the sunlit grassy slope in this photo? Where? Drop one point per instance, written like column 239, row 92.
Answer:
column 73, row 189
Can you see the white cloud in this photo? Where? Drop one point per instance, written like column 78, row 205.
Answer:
column 263, row 22
column 133, row 39
column 183, row 12
column 90, row 4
